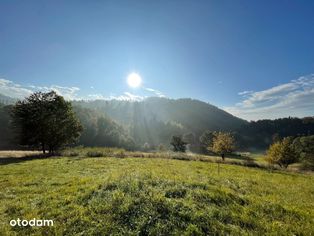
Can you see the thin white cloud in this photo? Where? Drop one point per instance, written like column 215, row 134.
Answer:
column 295, row 98
column 95, row 97
column 156, row 92
column 15, row 90
column 245, row 93
column 127, row 97
column 11, row 89
column 69, row 93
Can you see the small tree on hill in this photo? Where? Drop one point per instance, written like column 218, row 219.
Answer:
column 223, row 143
column 282, row 153
column 45, row 120
column 178, row 144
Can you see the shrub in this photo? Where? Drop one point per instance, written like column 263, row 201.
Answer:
column 120, row 154
column 178, row 144
column 73, row 154
column 94, row 153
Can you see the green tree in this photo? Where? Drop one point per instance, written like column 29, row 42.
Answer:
column 282, row 153
column 223, row 143
column 304, row 146
column 178, row 144
column 45, row 120
column 206, row 140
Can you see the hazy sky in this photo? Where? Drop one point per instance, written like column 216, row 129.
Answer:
column 255, row 59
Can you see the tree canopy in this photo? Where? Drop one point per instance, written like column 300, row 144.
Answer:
column 223, row 143
column 282, row 153
column 45, row 120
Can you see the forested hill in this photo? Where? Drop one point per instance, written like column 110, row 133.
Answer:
column 155, row 120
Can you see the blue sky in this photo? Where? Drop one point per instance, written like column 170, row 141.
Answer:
column 255, row 59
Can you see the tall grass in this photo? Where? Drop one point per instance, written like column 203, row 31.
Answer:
column 93, row 152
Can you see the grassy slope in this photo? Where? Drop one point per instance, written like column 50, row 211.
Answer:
column 141, row 196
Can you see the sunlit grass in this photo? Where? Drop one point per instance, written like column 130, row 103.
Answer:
column 16, row 153
column 103, row 195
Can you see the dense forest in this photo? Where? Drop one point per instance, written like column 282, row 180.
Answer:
column 150, row 123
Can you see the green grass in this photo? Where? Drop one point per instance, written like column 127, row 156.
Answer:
column 153, row 196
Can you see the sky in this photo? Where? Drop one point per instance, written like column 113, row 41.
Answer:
column 254, row 59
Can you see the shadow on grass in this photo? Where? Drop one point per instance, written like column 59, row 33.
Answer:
column 13, row 160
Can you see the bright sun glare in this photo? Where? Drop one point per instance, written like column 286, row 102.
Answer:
column 134, row 80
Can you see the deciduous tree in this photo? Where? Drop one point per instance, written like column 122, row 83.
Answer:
column 282, row 153
column 45, row 120
column 223, row 143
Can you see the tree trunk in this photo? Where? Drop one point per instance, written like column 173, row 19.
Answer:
column 43, row 148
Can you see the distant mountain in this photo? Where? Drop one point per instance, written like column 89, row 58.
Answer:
column 155, row 120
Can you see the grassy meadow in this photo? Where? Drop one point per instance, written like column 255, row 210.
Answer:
column 121, row 193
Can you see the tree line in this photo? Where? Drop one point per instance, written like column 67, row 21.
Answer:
column 46, row 120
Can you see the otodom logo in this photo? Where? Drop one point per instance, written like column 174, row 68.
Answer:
column 33, row 222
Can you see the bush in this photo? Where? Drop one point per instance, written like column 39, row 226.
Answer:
column 70, row 153
column 94, row 154
column 178, row 144
column 120, row 154
column 282, row 153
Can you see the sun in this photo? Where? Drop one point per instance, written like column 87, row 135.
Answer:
column 134, row 80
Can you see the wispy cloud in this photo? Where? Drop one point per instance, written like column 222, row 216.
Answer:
column 127, row 97
column 156, row 92
column 95, row 97
column 295, row 98
column 245, row 93
column 69, row 93
column 9, row 88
